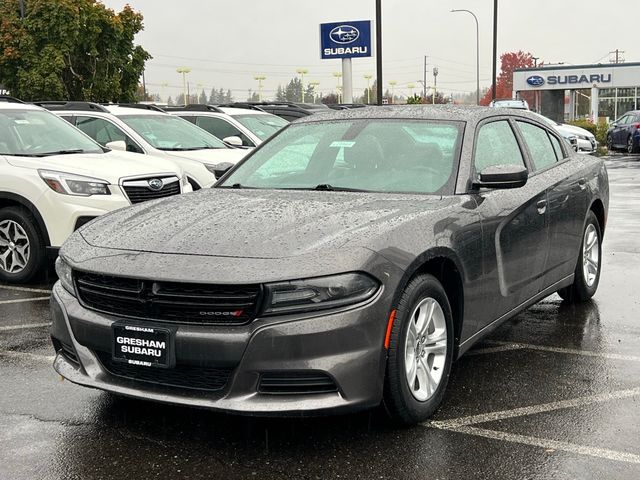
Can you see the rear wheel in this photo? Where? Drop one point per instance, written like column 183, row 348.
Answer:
column 587, row 273
column 22, row 249
column 420, row 351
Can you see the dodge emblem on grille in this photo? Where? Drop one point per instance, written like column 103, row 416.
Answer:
column 156, row 184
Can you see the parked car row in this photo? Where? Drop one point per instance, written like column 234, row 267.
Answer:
column 56, row 178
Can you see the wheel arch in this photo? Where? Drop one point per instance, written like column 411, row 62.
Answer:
column 13, row 200
column 597, row 207
column 444, row 265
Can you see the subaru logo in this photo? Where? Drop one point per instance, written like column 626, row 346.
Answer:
column 156, row 184
column 535, row 81
column 344, row 34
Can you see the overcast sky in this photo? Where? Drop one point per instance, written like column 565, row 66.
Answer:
column 227, row 42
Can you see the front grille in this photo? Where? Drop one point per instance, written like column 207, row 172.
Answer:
column 296, row 383
column 181, row 376
column 169, row 301
column 141, row 190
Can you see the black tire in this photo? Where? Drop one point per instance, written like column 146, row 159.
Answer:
column 610, row 143
column 631, row 148
column 36, row 256
column 399, row 401
column 580, row 290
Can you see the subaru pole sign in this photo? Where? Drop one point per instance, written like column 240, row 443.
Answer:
column 345, row 39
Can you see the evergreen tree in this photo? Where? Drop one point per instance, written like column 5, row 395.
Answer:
column 213, row 97
column 180, row 99
column 202, row 98
column 280, row 94
column 228, row 97
column 170, row 101
column 221, row 96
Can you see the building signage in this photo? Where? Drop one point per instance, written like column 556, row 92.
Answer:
column 538, row 81
column 345, row 39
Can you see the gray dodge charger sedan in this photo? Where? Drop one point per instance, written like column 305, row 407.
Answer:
column 345, row 263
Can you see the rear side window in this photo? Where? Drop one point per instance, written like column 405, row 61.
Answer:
column 557, row 148
column 537, row 139
column 103, row 132
column 497, row 145
column 222, row 129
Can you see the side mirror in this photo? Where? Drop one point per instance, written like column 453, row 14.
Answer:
column 233, row 140
column 502, row 176
column 221, row 168
column 117, row 145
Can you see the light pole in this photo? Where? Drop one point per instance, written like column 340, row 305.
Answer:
column 260, row 78
column 302, row 72
column 338, row 76
column 495, row 48
column 435, row 84
column 477, row 51
column 411, row 87
column 379, row 50
column 393, row 84
column 313, row 84
column 184, row 71
column 368, row 76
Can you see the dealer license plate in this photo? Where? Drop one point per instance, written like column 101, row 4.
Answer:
column 140, row 345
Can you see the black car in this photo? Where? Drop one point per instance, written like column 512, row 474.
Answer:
column 347, row 261
column 624, row 133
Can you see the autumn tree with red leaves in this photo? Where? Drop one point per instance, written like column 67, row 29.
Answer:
column 504, row 86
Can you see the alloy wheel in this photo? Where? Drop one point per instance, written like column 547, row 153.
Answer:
column 630, row 145
column 590, row 255
column 15, row 248
column 425, row 349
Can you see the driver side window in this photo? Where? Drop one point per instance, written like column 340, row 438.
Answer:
column 496, row 144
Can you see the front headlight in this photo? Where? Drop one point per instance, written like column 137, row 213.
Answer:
column 319, row 293
column 70, row 184
column 63, row 270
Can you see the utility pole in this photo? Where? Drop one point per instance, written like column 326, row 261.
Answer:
column 618, row 56
column 495, row 49
column 424, row 83
column 379, row 49
column 21, row 9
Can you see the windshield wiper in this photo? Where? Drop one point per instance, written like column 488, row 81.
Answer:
column 62, row 152
column 327, row 187
column 187, row 149
column 20, row 154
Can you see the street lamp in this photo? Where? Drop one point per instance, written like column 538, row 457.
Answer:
column 393, row 84
column 477, row 51
column 495, row 49
column 184, row 71
column 435, row 84
column 260, row 78
column 411, row 87
column 313, row 84
column 368, row 76
column 338, row 76
column 302, row 72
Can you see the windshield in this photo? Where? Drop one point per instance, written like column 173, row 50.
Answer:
column 262, row 126
column 37, row 133
column 168, row 132
column 370, row 155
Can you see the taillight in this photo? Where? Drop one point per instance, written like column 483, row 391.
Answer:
column 636, row 125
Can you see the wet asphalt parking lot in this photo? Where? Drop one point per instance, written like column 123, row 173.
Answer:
column 552, row 394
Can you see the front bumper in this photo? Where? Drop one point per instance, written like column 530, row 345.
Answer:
column 347, row 345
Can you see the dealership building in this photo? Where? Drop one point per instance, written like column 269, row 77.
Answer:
column 565, row 92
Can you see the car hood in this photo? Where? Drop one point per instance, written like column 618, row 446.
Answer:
column 577, row 130
column 266, row 224
column 111, row 166
column 212, row 156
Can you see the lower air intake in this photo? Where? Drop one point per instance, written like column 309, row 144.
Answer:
column 296, row 383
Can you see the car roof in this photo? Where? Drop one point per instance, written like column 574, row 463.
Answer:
column 449, row 112
column 118, row 110
column 242, row 111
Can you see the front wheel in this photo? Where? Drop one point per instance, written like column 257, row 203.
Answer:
column 420, row 351
column 631, row 147
column 610, row 143
column 587, row 273
column 22, row 249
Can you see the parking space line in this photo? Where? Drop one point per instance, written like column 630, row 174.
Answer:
column 27, row 355
column 24, row 289
column 534, row 409
column 570, row 351
column 23, row 326
column 547, row 444
column 23, row 300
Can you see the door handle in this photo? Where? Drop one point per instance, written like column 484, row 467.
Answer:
column 542, row 207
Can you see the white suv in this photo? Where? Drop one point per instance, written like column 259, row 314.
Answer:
column 147, row 129
column 54, row 179
column 241, row 127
